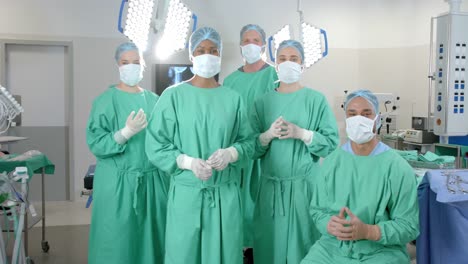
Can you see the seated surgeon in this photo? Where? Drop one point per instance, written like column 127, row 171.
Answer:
column 365, row 200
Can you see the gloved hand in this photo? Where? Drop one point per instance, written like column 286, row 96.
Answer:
column 134, row 124
column 273, row 132
column 353, row 229
column 221, row 158
column 199, row 167
column 290, row 130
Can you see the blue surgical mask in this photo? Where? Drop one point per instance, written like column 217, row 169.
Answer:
column 289, row 72
column 360, row 129
column 131, row 74
column 251, row 53
column 206, row 65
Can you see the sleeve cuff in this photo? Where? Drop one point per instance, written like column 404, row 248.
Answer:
column 307, row 137
column 184, row 162
column 264, row 140
column 119, row 138
column 234, row 154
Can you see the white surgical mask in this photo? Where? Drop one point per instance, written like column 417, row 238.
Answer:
column 251, row 53
column 206, row 65
column 360, row 129
column 131, row 74
column 289, row 72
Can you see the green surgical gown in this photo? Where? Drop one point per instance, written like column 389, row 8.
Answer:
column 250, row 86
column 204, row 218
column 129, row 193
column 379, row 190
column 283, row 229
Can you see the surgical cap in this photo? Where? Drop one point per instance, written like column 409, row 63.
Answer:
column 124, row 47
column 204, row 33
column 253, row 27
column 291, row 43
column 370, row 97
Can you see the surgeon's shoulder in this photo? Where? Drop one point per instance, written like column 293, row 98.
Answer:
column 103, row 100
column 314, row 93
column 150, row 95
column 230, row 79
column 172, row 91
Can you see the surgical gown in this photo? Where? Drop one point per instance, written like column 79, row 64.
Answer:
column 204, row 218
column 283, row 229
column 379, row 189
column 130, row 194
column 250, row 86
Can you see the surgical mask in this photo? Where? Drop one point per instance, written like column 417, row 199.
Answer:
column 131, row 74
column 206, row 65
column 360, row 129
column 251, row 53
column 289, row 72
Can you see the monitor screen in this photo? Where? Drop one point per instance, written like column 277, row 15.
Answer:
column 170, row 74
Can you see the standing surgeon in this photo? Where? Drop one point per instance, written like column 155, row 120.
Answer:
column 252, row 80
column 198, row 134
column 130, row 195
column 296, row 127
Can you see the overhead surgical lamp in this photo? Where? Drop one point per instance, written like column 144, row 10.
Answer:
column 310, row 36
column 137, row 24
column 312, row 42
column 280, row 36
column 176, row 29
column 9, row 109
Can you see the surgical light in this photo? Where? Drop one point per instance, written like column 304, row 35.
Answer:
column 310, row 37
column 176, row 29
column 312, row 42
column 137, row 24
column 9, row 109
column 274, row 41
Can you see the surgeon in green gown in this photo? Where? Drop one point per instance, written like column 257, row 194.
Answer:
column 296, row 127
column 365, row 201
column 252, row 80
column 198, row 134
column 129, row 193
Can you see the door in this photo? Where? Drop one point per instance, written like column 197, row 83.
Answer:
column 38, row 73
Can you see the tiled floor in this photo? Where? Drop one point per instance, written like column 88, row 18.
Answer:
column 66, row 213
column 67, row 227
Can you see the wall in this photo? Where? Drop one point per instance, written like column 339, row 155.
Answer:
column 380, row 45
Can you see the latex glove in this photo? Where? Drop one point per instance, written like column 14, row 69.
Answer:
column 134, row 124
column 199, row 167
column 354, row 228
column 290, row 130
column 221, row 158
column 273, row 132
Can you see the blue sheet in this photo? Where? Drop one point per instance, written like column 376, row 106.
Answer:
column 443, row 221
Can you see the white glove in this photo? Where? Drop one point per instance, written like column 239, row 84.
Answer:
column 290, row 130
column 222, row 157
column 273, row 132
column 134, row 124
column 199, row 167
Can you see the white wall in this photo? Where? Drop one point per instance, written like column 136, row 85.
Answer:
column 376, row 44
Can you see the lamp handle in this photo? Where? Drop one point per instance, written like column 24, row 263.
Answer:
column 119, row 24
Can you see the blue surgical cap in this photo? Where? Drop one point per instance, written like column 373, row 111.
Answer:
column 253, row 27
column 291, row 43
column 370, row 97
column 124, row 47
column 204, row 33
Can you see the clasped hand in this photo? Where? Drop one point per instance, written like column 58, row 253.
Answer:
column 352, row 229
